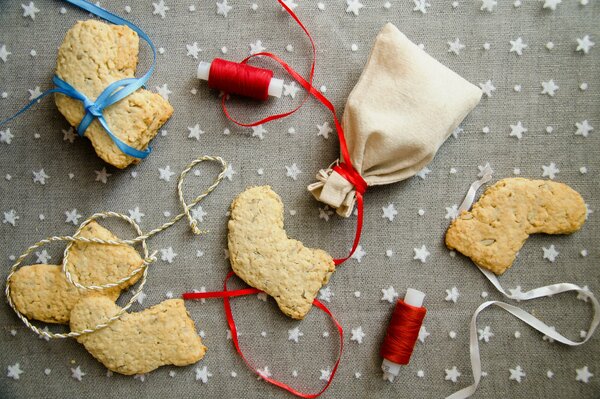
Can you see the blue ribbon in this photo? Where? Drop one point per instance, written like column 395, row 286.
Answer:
column 115, row 92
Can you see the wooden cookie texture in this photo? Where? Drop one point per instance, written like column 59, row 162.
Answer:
column 138, row 343
column 264, row 257
column 92, row 56
column 508, row 212
column 42, row 292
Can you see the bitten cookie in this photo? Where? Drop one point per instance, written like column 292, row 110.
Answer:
column 138, row 343
column 497, row 226
column 42, row 292
column 92, row 56
column 265, row 258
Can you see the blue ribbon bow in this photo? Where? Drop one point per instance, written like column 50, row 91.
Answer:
column 115, row 92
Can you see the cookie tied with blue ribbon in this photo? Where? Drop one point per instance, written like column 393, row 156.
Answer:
column 95, row 68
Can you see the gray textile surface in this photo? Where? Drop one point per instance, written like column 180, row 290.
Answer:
column 38, row 143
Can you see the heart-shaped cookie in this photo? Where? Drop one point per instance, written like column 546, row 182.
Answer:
column 92, row 56
column 264, row 257
column 42, row 292
column 140, row 342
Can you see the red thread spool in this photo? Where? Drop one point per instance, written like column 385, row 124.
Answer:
column 402, row 333
column 240, row 78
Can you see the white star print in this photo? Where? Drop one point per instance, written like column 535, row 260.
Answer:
column 164, row 91
column 202, row 374
column 294, row 334
column 229, row 172
column 69, row 135
column 324, row 130
column 77, row 374
column 585, row 44
column 325, row 294
column 517, row 46
column 325, row 213
column 6, row 136
column 167, row 254
column 325, row 375
column 423, row 172
column 357, row 335
column 550, row 171
column 35, row 93
column 29, row 10
column 4, row 53
column 72, row 217
column 485, row 170
column 488, row 5
column 452, row 294
column 14, row 371
column 141, row 297
column 10, row 217
column 421, row 5
column 389, row 294
column 485, row 334
column 102, row 176
column 487, row 88
column 160, row 8
column 195, row 132
column 193, row 50
column 549, row 88
column 223, row 8
column 389, row 212
column 42, row 256
column 353, row 6
column 136, row 215
column 198, row 213
column 256, row 47
column 165, row 173
column 451, row 212
column 517, row 130
column 550, row 253
column 515, row 293
column 259, row 131
column 40, row 177
column 455, row 46
column 358, row 254
column 516, row 374
column 583, row 128
column 421, row 253
column 290, row 3
column 141, row 377
column 264, row 373
column 551, row 4
column 549, row 374
column 290, row 89
column 583, row 374
column 292, row 171
column 452, row 374
column 457, row 131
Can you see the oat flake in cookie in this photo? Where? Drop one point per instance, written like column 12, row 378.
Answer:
column 496, row 228
column 92, row 56
column 264, row 257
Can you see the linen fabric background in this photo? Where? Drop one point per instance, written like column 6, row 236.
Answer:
column 38, row 143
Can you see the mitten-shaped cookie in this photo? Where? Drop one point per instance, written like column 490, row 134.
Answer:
column 92, row 56
column 264, row 257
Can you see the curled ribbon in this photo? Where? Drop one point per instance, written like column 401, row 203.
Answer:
column 115, row 92
column 540, row 292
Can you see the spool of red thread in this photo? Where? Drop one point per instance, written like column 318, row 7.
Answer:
column 241, row 79
column 402, row 333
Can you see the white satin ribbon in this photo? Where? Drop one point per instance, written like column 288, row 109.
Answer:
column 519, row 313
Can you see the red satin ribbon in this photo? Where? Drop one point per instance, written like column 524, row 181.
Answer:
column 226, row 294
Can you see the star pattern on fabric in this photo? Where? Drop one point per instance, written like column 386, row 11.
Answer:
column 72, row 217
column 14, row 371
column 202, row 374
column 517, row 130
column 35, row 93
column 517, row 46
column 195, row 132
column 357, row 335
column 229, row 172
column 389, row 212
column 264, row 373
column 353, row 6
column 585, row 44
column 256, row 47
column 421, row 253
column 549, row 88
column 290, row 89
column 165, row 173
column 160, row 8
column 424, row 172
column 6, row 136
column 583, row 375
column 551, row 4
column 485, row 170
column 4, row 53
column 516, row 374
column 389, row 294
column 77, row 373
column 167, row 254
column 488, row 5
column 259, row 131
column 485, row 334
column 550, row 171
column 29, row 10
column 69, row 135
column 164, row 91
column 223, row 8
column 292, row 171
column 40, row 176
column 452, row 374
column 583, row 128
column 455, row 46
column 358, row 254
column 325, row 294
column 324, row 130
column 10, row 217
column 325, row 375
column 294, row 334
column 550, row 253
column 198, row 213
column 452, row 295
column 487, row 88
column 193, row 50
column 451, row 212
column 102, row 176
column 421, row 6
column 136, row 214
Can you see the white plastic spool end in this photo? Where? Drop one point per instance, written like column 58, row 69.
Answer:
column 203, row 70
column 276, row 87
column 390, row 369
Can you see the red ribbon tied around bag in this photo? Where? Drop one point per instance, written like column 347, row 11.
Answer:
column 344, row 168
